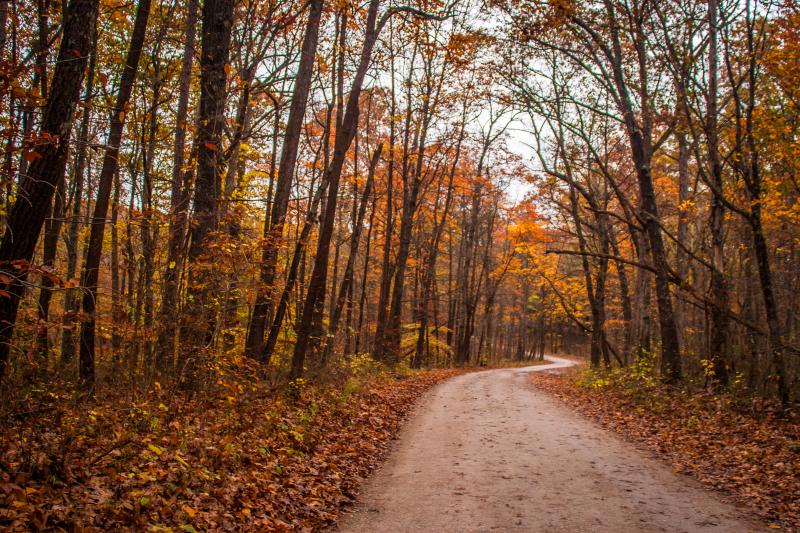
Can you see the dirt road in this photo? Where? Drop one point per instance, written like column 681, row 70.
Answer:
column 488, row 452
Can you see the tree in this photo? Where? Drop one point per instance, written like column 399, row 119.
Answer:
column 49, row 160
column 217, row 21
column 601, row 33
column 274, row 223
column 91, row 265
column 179, row 201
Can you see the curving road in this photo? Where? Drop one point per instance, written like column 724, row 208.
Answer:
column 488, row 452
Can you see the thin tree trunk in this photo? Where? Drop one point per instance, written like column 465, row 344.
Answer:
column 275, row 221
column 347, row 279
column 293, row 273
column 71, row 300
column 360, row 333
column 179, row 203
column 149, row 230
column 51, row 234
column 117, row 309
column 433, row 252
column 719, row 333
column 378, row 344
column 91, row 267
column 315, row 297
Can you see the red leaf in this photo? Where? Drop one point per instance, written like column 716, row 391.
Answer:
column 32, row 156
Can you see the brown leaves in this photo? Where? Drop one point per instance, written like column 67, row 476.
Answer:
column 262, row 462
column 752, row 454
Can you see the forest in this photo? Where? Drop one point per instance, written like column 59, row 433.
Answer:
column 216, row 211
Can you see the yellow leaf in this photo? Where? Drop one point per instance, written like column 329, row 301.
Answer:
column 155, row 449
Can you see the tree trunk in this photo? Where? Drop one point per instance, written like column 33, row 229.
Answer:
column 292, row 274
column 51, row 232
column 347, row 279
column 433, row 253
column 719, row 333
column 91, row 267
column 378, row 343
column 71, row 300
column 179, row 203
column 275, row 221
column 117, row 310
column 198, row 328
column 27, row 216
column 638, row 125
column 315, row 297
column 149, row 230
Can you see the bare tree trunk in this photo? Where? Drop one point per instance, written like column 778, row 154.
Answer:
column 639, row 128
column 292, row 274
column 681, row 259
column 347, row 279
column 235, row 171
column 117, row 309
column 71, row 300
column 149, row 230
column 360, row 333
column 315, row 297
column 51, row 233
column 718, row 355
column 378, row 345
column 625, row 297
column 433, row 252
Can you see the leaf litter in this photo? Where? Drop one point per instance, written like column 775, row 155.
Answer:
column 254, row 459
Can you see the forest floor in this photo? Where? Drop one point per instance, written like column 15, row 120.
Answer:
column 744, row 447
column 241, row 456
column 489, row 451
